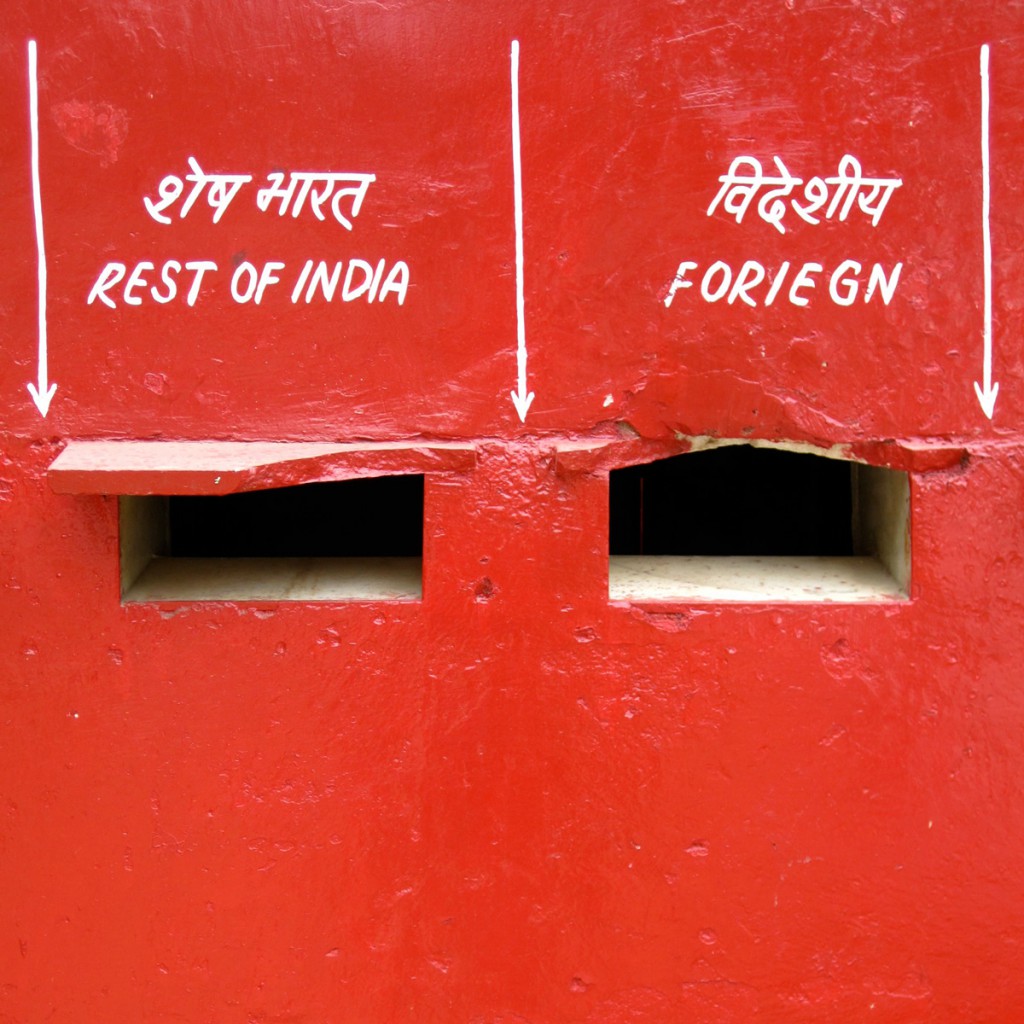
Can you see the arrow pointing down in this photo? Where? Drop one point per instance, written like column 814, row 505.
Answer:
column 521, row 399
column 42, row 391
column 987, row 390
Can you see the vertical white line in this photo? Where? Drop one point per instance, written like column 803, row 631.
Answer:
column 37, row 194
column 37, row 202
column 517, row 177
column 986, row 203
column 987, row 391
column 521, row 400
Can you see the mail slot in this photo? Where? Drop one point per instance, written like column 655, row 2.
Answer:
column 759, row 523
column 359, row 539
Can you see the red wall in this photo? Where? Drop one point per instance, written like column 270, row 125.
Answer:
column 514, row 801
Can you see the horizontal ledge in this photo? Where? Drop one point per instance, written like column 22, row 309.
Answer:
column 278, row 579
column 226, row 467
column 667, row 578
column 594, row 456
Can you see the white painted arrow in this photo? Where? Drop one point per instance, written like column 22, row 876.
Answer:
column 520, row 399
column 987, row 390
column 42, row 391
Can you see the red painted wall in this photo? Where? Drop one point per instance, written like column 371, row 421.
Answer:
column 514, row 801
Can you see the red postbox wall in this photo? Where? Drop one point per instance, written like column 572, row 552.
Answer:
column 514, row 800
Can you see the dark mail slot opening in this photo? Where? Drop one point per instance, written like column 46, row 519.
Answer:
column 358, row 539
column 740, row 522
column 376, row 516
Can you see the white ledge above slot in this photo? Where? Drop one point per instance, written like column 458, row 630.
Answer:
column 226, row 467
column 599, row 455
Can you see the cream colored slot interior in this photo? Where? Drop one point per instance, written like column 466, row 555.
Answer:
column 881, row 519
column 144, row 536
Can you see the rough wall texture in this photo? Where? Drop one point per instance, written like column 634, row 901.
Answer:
column 514, row 800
